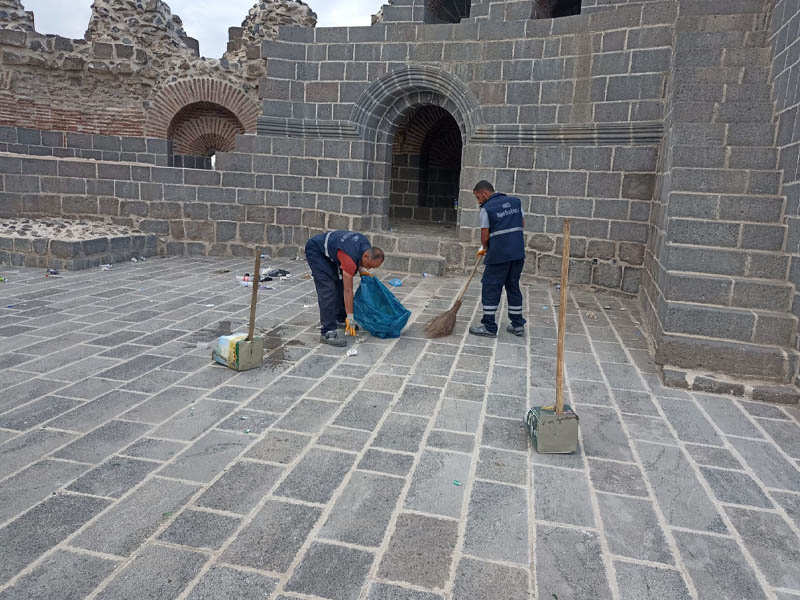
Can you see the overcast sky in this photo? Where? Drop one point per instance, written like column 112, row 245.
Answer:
column 206, row 20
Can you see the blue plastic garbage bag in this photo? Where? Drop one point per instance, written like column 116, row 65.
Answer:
column 377, row 310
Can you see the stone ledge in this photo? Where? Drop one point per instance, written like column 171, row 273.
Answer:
column 75, row 255
column 758, row 391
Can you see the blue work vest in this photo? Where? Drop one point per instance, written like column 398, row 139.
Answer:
column 351, row 243
column 506, row 240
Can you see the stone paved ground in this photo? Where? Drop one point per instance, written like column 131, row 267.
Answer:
column 132, row 467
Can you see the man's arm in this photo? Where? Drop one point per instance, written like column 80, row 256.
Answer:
column 347, row 283
column 485, row 237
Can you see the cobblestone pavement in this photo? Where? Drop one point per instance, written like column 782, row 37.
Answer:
column 133, row 467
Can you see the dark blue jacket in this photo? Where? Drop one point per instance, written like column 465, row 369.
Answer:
column 351, row 243
column 506, row 238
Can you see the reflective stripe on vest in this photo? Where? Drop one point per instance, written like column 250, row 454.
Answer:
column 502, row 231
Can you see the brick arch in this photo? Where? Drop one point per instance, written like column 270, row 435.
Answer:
column 203, row 127
column 169, row 101
column 376, row 110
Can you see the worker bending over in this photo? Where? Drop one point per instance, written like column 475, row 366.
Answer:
column 503, row 245
column 335, row 257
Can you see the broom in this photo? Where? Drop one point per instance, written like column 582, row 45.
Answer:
column 444, row 324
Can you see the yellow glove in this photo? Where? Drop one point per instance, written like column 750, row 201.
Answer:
column 481, row 252
column 350, row 326
column 365, row 273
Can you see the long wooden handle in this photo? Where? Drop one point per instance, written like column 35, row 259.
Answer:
column 562, row 319
column 464, row 289
column 254, row 298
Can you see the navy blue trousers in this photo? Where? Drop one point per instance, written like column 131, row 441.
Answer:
column 495, row 278
column 330, row 290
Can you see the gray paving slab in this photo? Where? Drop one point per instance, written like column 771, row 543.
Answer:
column 480, row 580
column 772, row 544
column 343, row 438
column 205, row 459
column 643, row 582
column 279, row 446
column 274, row 536
column 562, row 496
column 383, row 591
column 62, row 574
column 785, row 433
column 308, row 416
column 630, row 527
column 200, row 529
column 153, row 449
column 401, row 432
column 158, row 572
column 225, row 582
column 163, row 405
column 432, row 489
column 728, row 416
column 95, row 412
column 364, row 410
column 618, row 478
column 52, row 521
column 33, row 484
column 735, row 488
column 241, row 487
column 102, row 442
column 37, row 412
column 316, row 476
column 29, row 447
column 790, row 503
column 497, row 523
column 362, row 512
column 114, row 477
column 505, row 467
column 330, row 571
column 579, row 573
column 680, row 495
column 718, row 567
column 420, row 551
column 768, row 464
column 126, row 525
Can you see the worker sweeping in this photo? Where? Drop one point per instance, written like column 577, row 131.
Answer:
column 335, row 257
column 503, row 248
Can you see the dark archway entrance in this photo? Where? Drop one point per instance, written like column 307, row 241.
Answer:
column 201, row 129
column 426, row 167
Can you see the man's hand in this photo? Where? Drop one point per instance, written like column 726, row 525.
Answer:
column 481, row 252
column 365, row 273
column 350, row 326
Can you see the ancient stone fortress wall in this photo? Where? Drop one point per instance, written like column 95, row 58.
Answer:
column 136, row 74
column 784, row 33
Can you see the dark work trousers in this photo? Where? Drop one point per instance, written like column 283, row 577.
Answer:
column 495, row 278
column 330, row 291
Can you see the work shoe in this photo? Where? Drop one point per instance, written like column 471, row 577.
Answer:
column 482, row 331
column 517, row 331
column 332, row 338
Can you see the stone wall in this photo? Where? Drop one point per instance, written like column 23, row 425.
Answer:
column 128, row 71
column 785, row 40
column 715, row 290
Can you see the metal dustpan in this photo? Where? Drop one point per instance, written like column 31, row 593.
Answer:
column 236, row 351
column 554, row 429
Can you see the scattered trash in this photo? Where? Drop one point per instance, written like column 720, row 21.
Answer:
column 209, row 305
column 3, row 280
column 395, row 282
column 623, row 309
column 106, row 267
column 52, row 271
column 307, row 305
column 203, row 345
column 608, row 308
column 636, row 323
column 142, row 259
column 133, row 260
column 221, row 271
column 243, row 418
column 352, row 352
column 277, row 273
column 425, row 274
column 247, row 431
column 591, row 315
column 166, row 515
column 245, row 277
column 249, row 284
column 265, row 278
column 545, row 307
column 265, row 256
column 306, row 275
column 456, row 482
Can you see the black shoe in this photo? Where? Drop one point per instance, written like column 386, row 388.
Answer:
column 517, row 331
column 482, row 331
column 332, row 338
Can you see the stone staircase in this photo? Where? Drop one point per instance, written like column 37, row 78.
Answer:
column 726, row 191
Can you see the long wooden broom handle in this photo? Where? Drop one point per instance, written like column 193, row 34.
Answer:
column 256, row 279
column 562, row 319
column 474, row 270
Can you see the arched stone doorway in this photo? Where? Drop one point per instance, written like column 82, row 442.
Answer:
column 204, row 128
column 426, row 167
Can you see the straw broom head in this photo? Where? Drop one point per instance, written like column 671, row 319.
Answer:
column 443, row 324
